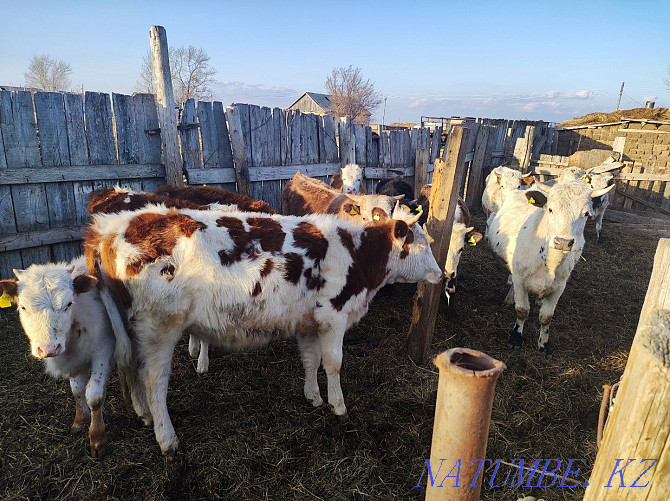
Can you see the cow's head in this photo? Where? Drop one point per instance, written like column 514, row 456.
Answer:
column 352, row 179
column 598, row 180
column 566, row 209
column 512, row 179
column 461, row 236
column 413, row 259
column 44, row 295
column 371, row 208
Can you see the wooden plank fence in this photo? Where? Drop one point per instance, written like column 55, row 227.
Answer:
column 55, row 148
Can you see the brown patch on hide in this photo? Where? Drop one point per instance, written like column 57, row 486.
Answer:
column 267, row 268
column 336, row 181
column 346, row 239
column 109, row 201
column 409, row 239
column 308, row 237
column 10, row 286
column 369, row 267
column 257, row 289
column 267, row 232
column 305, row 195
column 156, row 235
column 99, row 252
column 313, row 279
column 202, row 196
column 294, row 265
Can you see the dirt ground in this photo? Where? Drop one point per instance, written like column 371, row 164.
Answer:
column 246, row 431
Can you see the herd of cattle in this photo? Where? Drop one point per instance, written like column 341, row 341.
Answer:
column 230, row 271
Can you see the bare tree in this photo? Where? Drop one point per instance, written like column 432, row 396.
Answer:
column 45, row 73
column 191, row 74
column 667, row 79
column 352, row 95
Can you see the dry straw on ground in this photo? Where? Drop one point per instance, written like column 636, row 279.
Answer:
column 246, row 431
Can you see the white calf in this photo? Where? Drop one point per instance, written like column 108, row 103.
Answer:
column 65, row 321
column 499, row 183
column 349, row 180
column 540, row 239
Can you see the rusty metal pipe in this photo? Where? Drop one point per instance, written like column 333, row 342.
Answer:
column 462, row 417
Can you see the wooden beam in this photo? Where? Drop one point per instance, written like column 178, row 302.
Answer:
column 239, row 151
column 639, row 425
column 211, row 176
column 644, row 131
column 81, row 173
column 167, row 113
column 443, row 199
column 643, row 202
column 43, row 237
column 380, row 173
column 473, row 196
column 617, row 216
column 420, row 169
column 643, row 177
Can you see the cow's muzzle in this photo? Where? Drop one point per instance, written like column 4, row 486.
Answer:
column 563, row 244
column 48, row 351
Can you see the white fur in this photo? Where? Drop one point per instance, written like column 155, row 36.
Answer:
column 499, row 183
column 524, row 237
column 352, row 179
column 214, row 302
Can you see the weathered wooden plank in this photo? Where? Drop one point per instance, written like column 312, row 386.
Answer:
column 146, row 121
column 238, row 149
column 321, row 134
column 167, row 113
column 347, row 141
column 272, row 193
column 281, row 136
column 19, row 133
column 382, row 173
column 440, row 222
column 76, row 136
column 256, row 136
column 125, row 129
column 222, row 139
column 359, row 140
column 435, row 144
column 330, row 131
column 384, row 151
column 208, row 134
column 50, row 114
column 475, row 190
column 272, row 173
column 212, row 176
column 81, row 173
column 294, row 136
column 372, row 149
column 190, row 138
column 99, row 131
column 41, row 238
column 422, row 158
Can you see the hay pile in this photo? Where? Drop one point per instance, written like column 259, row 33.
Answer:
column 246, row 431
column 657, row 114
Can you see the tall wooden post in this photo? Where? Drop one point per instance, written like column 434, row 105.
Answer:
column 239, row 152
column 473, row 197
column 443, row 197
column 420, row 167
column 638, row 427
column 167, row 113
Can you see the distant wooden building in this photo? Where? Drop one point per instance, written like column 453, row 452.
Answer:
column 313, row 102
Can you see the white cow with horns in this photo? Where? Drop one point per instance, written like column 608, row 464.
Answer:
column 64, row 318
column 540, row 238
column 240, row 279
column 500, row 183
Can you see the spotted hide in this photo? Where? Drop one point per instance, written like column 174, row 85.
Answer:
column 242, row 279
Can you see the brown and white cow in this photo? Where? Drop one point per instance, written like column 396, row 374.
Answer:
column 112, row 200
column 241, row 279
column 540, row 238
column 63, row 316
column 305, row 195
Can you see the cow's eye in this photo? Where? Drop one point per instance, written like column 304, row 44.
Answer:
column 550, row 209
column 23, row 308
column 67, row 307
column 587, row 214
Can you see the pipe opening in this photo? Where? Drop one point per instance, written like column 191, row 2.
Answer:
column 472, row 363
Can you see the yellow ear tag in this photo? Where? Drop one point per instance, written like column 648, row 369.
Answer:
column 531, row 201
column 376, row 217
column 5, row 300
column 419, row 208
column 472, row 241
column 587, row 179
column 353, row 212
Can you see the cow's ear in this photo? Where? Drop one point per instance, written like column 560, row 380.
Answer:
column 528, row 179
column 536, row 198
column 84, row 283
column 8, row 292
column 351, row 209
column 400, row 229
column 474, row 238
column 379, row 214
column 499, row 177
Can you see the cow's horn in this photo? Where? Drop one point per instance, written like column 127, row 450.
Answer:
column 602, row 191
column 415, row 218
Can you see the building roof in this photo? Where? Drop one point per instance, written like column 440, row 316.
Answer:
column 622, row 121
column 323, row 100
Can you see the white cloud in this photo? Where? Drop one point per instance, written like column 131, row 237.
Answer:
column 580, row 94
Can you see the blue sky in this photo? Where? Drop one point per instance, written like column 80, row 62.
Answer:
column 535, row 60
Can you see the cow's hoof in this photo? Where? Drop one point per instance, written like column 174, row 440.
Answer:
column 343, row 419
column 515, row 340
column 147, row 420
column 76, row 428
column 170, row 453
column 316, row 401
column 340, row 410
column 546, row 349
column 98, row 448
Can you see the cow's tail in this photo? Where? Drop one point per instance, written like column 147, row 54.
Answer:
column 123, row 353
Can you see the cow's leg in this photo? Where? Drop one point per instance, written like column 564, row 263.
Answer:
column 95, row 397
column 331, row 356
column 156, row 346
column 193, row 346
column 310, row 353
column 450, row 293
column 546, row 315
column 522, row 308
column 82, row 412
column 203, row 358
column 509, row 298
column 599, row 225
